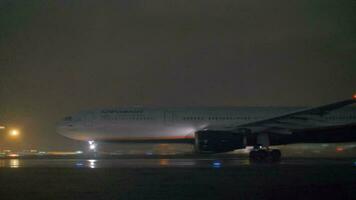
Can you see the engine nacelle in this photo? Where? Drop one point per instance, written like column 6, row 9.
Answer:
column 218, row 141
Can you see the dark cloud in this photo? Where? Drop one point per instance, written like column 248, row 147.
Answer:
column 60, row 57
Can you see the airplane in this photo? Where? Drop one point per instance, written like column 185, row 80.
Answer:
column 216, row 129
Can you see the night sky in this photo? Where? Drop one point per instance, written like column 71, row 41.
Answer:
column 60, row 57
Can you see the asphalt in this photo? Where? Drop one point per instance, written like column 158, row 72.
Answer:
column 167, row 162
column 199, row 178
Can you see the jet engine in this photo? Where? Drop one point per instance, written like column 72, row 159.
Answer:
column 210, row 141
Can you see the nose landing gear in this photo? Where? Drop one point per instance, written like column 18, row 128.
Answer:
column 261, row 154
column 92, row 146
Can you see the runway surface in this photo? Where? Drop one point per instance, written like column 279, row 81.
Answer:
column 166, row 163
column 198, row 178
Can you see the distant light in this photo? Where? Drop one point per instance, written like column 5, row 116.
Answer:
column 354, row 97
column 339, row 149
column 79, row 152
column 216, row 164
column 163, row 162
column 79, row 164
column 13, row 155
column 14, row 133
column 2, row 127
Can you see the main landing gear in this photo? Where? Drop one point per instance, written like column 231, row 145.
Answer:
column 260, row 154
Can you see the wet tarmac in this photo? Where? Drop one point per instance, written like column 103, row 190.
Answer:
column 176, row 177
column 167, row 163
column 179, row 178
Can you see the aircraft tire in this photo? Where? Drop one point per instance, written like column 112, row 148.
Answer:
column 262, row 155
column 252, row 155
column 275, row 155
column 258, row 155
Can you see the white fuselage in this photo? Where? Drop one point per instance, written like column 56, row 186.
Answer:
column 174, row 124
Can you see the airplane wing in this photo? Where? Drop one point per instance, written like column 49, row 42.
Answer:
column 287, row 123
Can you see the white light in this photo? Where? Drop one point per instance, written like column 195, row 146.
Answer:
column 92, row 147
column 92, row 163
column 14, row 163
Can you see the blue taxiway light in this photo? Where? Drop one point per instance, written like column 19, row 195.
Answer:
column 79, row 164
column 217, row 164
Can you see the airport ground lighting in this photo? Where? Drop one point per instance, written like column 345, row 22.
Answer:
column 14, row 133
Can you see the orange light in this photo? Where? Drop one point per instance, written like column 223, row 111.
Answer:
column 163, row 162
column 14, row 133
column 354, row 97
column 13, row 155
column 339, row 149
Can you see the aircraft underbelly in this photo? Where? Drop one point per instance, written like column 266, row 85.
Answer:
column 135, row 131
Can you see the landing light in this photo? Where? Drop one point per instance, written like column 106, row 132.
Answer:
column 92, row 146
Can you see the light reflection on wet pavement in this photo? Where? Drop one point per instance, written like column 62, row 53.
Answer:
column 159, row 163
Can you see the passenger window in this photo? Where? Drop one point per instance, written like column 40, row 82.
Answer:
column 68, row 118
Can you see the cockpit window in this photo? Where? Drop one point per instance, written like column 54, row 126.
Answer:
column 68, row 118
